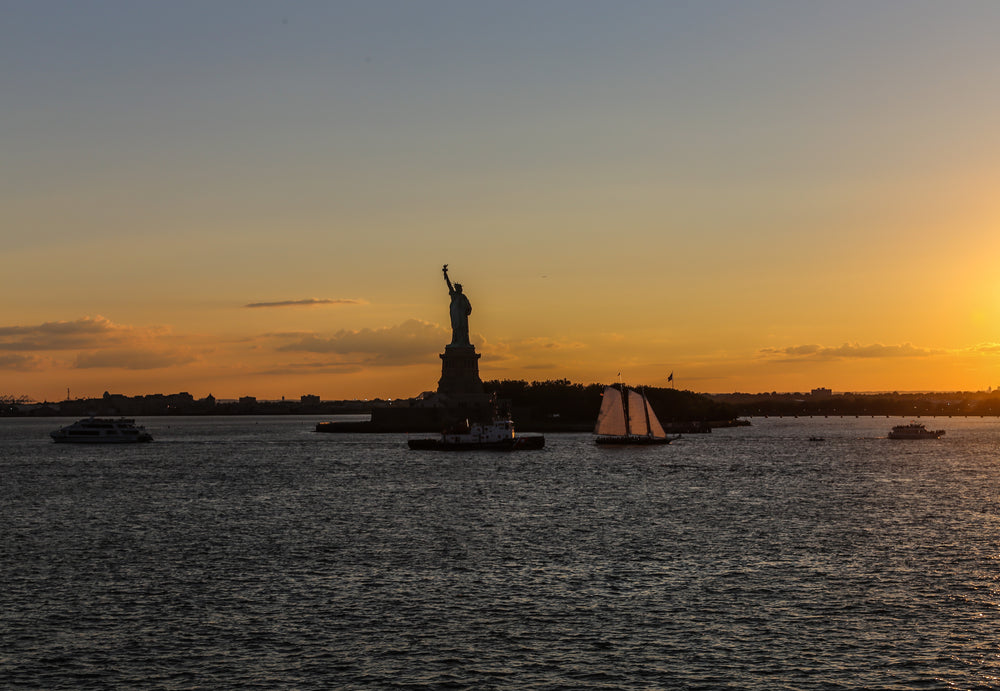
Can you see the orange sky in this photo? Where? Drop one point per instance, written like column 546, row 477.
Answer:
column 256, row 198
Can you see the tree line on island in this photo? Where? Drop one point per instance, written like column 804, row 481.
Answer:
column 562, row 399
column 553, row 404
column 823, row 402
column 561, row 404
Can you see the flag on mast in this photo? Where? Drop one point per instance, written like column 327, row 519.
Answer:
column 671, row 377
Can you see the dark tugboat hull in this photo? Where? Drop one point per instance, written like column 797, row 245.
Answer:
column 516, row 444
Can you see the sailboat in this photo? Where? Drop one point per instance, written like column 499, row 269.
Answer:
column 628, row 419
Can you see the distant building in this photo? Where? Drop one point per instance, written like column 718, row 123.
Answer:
column 309, row 399
column 821, row 393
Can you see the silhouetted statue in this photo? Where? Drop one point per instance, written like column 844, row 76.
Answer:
column 461, row 308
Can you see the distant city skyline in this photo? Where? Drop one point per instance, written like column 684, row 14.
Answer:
column 255, row 198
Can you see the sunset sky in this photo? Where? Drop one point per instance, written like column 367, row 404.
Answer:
column 256, row 198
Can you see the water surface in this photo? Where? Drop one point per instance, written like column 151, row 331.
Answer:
column 254, row 553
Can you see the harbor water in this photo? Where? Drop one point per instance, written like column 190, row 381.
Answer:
column 252, row 552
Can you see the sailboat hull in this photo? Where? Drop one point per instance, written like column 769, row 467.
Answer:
column 633, row 441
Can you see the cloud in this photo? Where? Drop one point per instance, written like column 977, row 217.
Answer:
column 132, row 359
column 287, row 334
column 985, row 349
column 20, row 363
column 542, row 343
column 314, row 368
column 97, row 342
column 527, row 352
column 308, row 302
column 412, row 342
column 88, row 332
column 847, row 351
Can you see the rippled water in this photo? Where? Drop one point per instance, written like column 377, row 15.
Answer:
column 254, row 553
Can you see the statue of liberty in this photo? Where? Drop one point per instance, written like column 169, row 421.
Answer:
column 460, row 310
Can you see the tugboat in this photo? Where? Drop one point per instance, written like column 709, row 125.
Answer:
column 95, row 430
column 496, row 435
column 914, row 430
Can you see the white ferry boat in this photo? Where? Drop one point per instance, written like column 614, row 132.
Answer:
column 914, row 430
column 94, row 430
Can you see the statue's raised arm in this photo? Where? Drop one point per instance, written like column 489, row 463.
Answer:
column 447, row 280
column 460, row 310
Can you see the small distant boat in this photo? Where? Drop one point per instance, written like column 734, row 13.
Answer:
column 628, row 420
column 496, row 435
column 914, row 430
column 95, row 430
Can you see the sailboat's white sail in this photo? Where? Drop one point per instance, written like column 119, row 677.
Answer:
column 655, row 428
column 611, row 419
column 637, row 414
column 634, row 423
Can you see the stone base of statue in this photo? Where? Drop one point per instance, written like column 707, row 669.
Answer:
column 460, row 387
column 460, row 371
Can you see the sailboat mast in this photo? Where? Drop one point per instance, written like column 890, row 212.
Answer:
column 625, row 411
column 645, row 407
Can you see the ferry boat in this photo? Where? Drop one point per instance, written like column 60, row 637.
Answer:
column 914, row 430
column 94, row 430
column 497, row 435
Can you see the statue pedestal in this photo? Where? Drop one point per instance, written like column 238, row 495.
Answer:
column 460, row 371
column 460, row 385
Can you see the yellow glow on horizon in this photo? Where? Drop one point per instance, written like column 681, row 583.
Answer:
column 784, row 216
